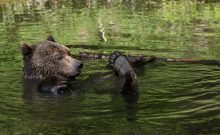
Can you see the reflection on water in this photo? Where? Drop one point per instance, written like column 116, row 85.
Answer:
column 174, row 98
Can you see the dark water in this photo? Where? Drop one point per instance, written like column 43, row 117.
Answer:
column 174, row 98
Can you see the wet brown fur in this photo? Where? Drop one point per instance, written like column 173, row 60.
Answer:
column 40, row 60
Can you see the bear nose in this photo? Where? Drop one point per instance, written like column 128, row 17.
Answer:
column 80, row 66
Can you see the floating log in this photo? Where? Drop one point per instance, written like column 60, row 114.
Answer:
column 136, row 60
column 141, row 59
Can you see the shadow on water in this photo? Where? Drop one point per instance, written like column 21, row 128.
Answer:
column 175, row 98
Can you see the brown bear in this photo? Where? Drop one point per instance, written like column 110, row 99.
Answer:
column 50, row 67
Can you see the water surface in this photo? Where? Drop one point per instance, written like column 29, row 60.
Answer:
column 175, row 98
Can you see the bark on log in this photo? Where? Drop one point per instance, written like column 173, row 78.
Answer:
column 135, row 60
column 141, row 59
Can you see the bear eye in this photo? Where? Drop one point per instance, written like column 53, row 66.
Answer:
column 69, row 53
column 59, row 57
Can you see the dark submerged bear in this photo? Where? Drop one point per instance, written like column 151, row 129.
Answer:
column 52, row 67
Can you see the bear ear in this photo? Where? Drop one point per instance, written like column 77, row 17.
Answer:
column 26, row 51
column 51, row 38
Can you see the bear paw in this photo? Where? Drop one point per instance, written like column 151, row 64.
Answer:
column 60, row 90
column 54, row 87
column 120, row 64
column 113, row 56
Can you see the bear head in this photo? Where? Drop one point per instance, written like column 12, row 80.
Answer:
column 49, row 59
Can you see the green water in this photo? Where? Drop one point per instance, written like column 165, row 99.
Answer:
column 174, row 98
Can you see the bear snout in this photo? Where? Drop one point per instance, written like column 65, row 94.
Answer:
column 79, row 66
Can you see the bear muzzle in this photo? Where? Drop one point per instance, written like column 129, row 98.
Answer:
column 76, row 71
column 79, row 67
